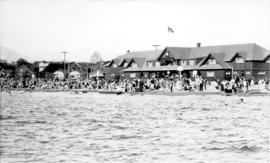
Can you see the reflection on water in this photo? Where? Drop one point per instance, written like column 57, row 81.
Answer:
column 64, row 127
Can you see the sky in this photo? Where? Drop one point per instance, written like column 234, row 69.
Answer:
column 42, row 29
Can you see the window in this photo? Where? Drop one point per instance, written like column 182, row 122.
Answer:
column 183, row 62
column 239, row 59
column 191, row 62
column 248, row 72
column 194, row 73
column 125, row 64
column 132, row 75
column 210, row 73
column 150, row 64
column 114, row 65
column 212, row 61
column 167, row 54
column 157, row 63
column 134, row 64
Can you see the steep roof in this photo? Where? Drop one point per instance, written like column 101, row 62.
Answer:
column 80, row 66
column 26, row 67
column 116, row 61
column 124, row 60
column 177, row 52
column 149, row 55
column 138, row 61
column 219, row 57
column 251, row 51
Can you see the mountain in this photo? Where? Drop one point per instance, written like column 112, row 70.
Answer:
column 11, row 55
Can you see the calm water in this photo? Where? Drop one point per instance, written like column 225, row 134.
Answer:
column 65, row 127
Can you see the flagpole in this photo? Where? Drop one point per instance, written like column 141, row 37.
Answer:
column 169, row 30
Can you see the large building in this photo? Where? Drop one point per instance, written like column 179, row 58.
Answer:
column 211, row 62
column 114, row 69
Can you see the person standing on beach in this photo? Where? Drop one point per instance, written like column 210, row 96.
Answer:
column 200, row 84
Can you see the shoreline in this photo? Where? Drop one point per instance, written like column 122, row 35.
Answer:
column 155, row 92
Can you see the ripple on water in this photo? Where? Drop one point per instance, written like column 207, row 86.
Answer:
column 64, row 127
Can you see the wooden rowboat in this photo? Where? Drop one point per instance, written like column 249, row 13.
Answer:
column 111, row 92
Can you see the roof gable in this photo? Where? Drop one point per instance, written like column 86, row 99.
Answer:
column 252, row 51
column 77, row 66
column 138, row 61
column 113, row 61
column 219, row 57
column 239, row 54
column 177, row 52
column 150, row 55
column 249, row 51
column 24, row 67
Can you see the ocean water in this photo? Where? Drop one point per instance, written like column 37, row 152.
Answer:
column 66, row 127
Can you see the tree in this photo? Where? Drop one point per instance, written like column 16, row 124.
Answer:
column 7, row 66
column 22, row 61
column 95, row 58
column 54, row 66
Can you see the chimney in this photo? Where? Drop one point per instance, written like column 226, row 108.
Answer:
column 198, row 44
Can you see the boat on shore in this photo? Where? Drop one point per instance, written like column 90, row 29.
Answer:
column 117, row 92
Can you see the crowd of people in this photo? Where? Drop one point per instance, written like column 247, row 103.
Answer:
column 241, row 84
column 135, row 85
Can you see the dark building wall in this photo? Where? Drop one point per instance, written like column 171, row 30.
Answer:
column 242, row 66
column 218, row 74
column 257, row 74
column 137, row 75
column 261, row 65
column 117, row 71
column 261, row 70
column 252, row 69
column 251, row 65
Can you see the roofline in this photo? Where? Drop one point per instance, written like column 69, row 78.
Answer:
column 24, row 66
column 268, row 55
column 212, row 45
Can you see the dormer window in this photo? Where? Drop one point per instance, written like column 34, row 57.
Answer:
column 239, row 59
column 134, row 64
column 150, row 64
column 183, row 62
column 167, row 54
column 192, row 62
column 212, row 61
column 114, row 65
column 125, row 64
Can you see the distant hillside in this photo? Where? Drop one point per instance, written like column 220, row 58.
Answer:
column 10, row 55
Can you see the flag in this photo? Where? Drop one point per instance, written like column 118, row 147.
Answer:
column 170, row 29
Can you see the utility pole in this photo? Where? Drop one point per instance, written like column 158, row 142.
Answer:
column 64, row 52
column 156, row 46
